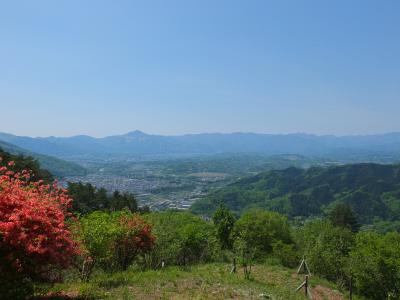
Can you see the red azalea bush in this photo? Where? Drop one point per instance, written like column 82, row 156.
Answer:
column 33, row 231
column 135, row 238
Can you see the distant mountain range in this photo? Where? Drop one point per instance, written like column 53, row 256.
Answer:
column 139, row 143
column 56, row 166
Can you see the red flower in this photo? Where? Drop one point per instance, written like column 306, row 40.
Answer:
column 32, row 222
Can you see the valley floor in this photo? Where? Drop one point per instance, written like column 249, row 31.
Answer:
column 209, row 281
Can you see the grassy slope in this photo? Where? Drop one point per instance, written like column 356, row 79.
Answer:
column 211, row 281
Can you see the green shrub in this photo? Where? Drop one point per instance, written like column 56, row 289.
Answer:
column 326, row 248
column 181, row 239
column 375, row 265
column 257, row 230
column 114, row 240
column 286, row 254
column 224, row 220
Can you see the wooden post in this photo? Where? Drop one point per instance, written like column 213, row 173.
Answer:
column 233, row 270
column 87, row 268
column 306, row 286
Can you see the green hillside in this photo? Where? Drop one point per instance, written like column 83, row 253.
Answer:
column 56, row 166
column 372, row 190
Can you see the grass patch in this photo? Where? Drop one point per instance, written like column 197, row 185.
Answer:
column 208, row 281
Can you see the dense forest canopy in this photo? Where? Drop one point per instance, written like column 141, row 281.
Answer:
column 88, row 198
column 372, row 191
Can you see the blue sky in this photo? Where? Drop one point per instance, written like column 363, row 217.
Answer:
column 173, row 67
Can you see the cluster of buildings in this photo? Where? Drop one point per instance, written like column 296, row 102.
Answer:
column 122, row 184
column 147, row 191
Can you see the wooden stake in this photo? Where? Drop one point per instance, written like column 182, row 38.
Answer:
column 233, row 270
column 306, row 286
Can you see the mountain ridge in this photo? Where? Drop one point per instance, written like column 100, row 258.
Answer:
column 140, row 143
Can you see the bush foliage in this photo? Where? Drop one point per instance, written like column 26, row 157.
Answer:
column 113, row 240
column 181, row 239
column 34, row 236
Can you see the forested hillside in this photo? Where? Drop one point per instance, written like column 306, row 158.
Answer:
column 21, row 163
column 56, row 166
column 372, row 190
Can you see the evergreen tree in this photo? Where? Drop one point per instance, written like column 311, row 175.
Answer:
column 342, row 215
column 88, row 198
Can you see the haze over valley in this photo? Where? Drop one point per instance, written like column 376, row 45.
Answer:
column 136, row 143
column 173, row 172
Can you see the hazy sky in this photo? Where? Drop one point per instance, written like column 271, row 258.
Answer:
column 171, row 67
